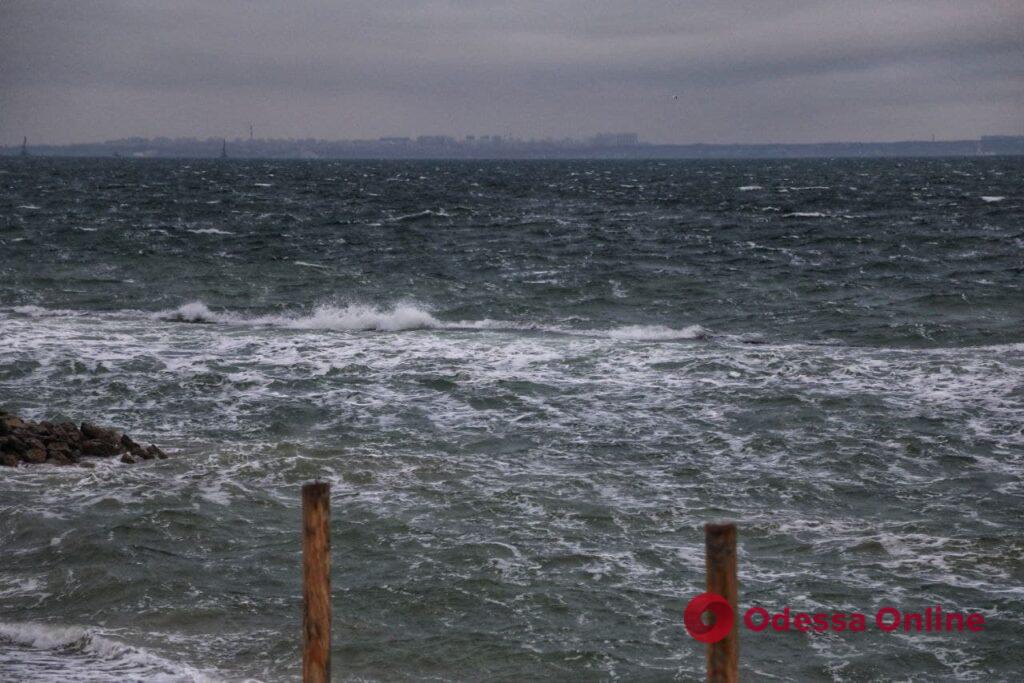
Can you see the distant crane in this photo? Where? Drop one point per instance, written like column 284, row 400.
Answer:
column 24, row 146
column 250, row 131
column 224, row 149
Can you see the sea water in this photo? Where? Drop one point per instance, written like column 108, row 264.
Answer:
column 529, row 385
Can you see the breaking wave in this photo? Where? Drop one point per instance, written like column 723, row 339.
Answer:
column 354, row 317
column 44, row 652
column 408, row 316
column 657, row 332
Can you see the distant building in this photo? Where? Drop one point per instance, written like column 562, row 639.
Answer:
column 615, row 140
column 435, row 140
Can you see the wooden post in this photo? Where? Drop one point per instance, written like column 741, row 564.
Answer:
column 720, row 560
column 316, row 583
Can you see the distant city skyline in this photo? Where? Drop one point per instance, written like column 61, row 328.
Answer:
column 700, row 71
column 599, row 138
column 601, row 146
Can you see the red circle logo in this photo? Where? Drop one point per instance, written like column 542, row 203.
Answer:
column 721, row 612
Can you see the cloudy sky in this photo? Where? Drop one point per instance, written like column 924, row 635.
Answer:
column 741, row 70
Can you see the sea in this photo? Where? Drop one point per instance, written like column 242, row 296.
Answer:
column 529, row 385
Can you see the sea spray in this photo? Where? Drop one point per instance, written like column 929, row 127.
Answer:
column 352, row 317
column 407, row 316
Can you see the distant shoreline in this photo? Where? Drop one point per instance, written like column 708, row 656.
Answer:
column 442, row 148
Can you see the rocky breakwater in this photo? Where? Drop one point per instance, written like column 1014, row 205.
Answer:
column 22, row 441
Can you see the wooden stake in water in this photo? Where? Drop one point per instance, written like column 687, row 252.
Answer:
column 316, row 583
column 720, row 561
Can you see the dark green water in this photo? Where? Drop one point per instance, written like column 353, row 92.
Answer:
column 529, row 384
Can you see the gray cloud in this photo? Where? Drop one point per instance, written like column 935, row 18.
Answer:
column 743, row 71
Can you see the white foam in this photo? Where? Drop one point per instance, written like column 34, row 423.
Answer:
column 749, row 188
column 804, row 214
column 211, row 231
column 409, row 316
column 441, row 213
column 89, row 656
column 13, row 585
column 354, row 317
column 193, row 312
column 360, row 317
column 657, row 332
column 991, row 199
column 38, row 311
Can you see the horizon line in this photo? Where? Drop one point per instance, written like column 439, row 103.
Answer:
column 442, row 138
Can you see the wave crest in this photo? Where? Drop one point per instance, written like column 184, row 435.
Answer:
column 408, row 316
column 657, row 332
column 354, row 317
column 81, row 653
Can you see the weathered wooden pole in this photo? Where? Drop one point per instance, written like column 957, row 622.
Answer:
column 720, row 561
column 316, row 583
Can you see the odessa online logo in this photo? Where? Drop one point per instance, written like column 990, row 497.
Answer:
column 722, row 617
column 933, row 619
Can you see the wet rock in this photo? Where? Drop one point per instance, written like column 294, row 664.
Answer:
column 91, row 431
column 71, row 434
column 99, row 448
column 34, row 455
column 13, row 444
column 10, row 423
column 23, row 441
column 60, row 452
column 59, row 458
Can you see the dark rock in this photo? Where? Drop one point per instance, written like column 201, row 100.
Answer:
column 60, row 458
column 65, row 443
column 91, row 431
column 34, row 454
column 99, row 448
column 10, row 423
column 70, row 433
column 13, row 444
column 60, row 451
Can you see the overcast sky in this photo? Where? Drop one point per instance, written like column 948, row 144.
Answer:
column 743, row 71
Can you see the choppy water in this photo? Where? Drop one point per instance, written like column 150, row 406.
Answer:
column 529, row 384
